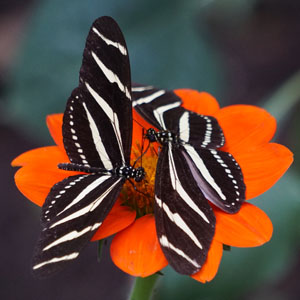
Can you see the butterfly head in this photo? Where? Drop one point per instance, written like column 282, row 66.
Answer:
column 151, row 135
column 139, row 174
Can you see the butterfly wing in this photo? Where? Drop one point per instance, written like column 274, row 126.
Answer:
column 192, row 128
column 97, row 124
column 218, row 176
column 151, row 103
column 217, row 173
column 74, row 209
column 185, row 222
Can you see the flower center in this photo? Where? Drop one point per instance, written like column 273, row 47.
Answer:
column 140, row 195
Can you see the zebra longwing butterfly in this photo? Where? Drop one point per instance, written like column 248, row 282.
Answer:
column 97, row 130
column 190, row 171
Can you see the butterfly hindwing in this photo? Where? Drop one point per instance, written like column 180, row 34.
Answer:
column 218, row 175
column 185, row 222
column 70, row 220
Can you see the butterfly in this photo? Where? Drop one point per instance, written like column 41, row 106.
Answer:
column 190, row 170
column 97, row 132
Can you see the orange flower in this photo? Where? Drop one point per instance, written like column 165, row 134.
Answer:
column 135, row 248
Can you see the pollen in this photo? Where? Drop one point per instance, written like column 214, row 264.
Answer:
column 140, row 195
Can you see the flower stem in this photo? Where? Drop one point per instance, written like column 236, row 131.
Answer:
column 143, row 287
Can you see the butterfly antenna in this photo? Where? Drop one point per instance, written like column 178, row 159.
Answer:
column 141, row 156
column 142, row 148
column 153, row 149
column 137, row 190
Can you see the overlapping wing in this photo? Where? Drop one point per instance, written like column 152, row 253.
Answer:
column 74, row 209
column 151, row 103
column 97, row 125
column 185, row 222
column 218, row 175
column 192, row 128
column 163, row 110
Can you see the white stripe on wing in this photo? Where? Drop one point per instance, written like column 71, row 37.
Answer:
column 121, row 48
column 112, row 117
column 177, row 186
column 176, row 218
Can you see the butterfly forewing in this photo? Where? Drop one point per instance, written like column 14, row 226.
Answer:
column 74, row 209
column 162, row 109
column 151, row 103
column 185, row 221
column 218, row 175
column 83, row 141
column 102, row 128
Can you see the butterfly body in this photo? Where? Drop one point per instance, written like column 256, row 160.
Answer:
column 126, row 171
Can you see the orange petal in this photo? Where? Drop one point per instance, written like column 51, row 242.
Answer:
column 245, row 126
column 250, row 227
column 199, row 102
column 211, row 266
column 51, row 155
column 119, row 218
column 35, row 182
column 54, row 123
column 136, row 249
column 263, row 166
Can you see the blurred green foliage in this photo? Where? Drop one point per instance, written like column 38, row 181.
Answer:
column 163, row 37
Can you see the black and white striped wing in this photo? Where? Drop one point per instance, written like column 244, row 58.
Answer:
column 218, row 175
column 192, row 128
column 74, row 209
column 163, row 110
column 151, row 103
column 185, row 222
column 97, row 124
column 97, row 129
